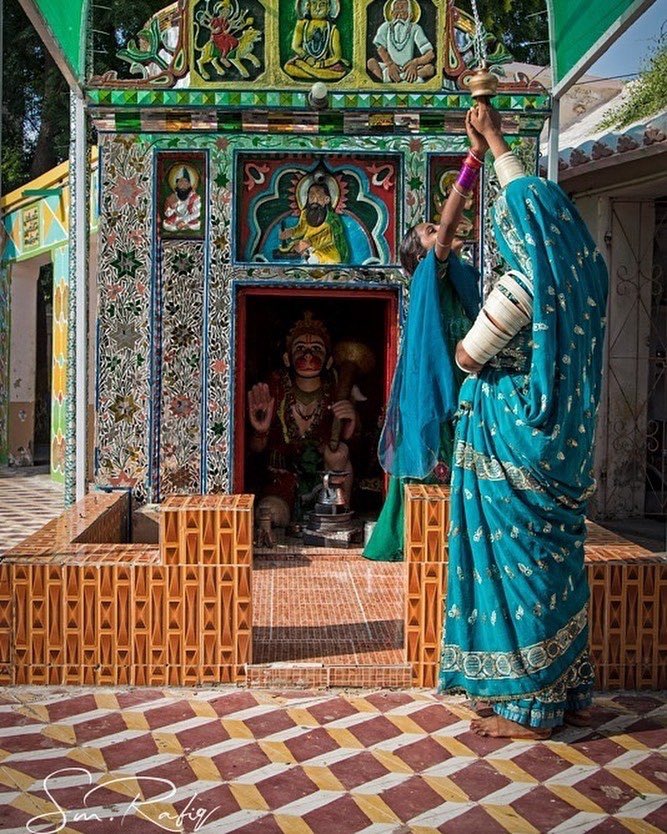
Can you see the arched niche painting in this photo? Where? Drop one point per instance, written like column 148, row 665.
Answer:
column 228, row 40
column 401, row 41
column 316, row 39
column 314, row 209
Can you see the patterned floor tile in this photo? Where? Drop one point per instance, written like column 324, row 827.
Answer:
column 27, row 502
column 230, row 760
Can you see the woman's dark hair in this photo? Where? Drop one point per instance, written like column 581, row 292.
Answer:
column 411, row 250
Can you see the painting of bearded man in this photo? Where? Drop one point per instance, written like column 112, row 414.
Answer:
column 319, row 236
column 181, row 212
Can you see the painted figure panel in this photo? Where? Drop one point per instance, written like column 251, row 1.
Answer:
column 228, row 39
column 181, row 195
column 442, row 173
column 401, row 41
column 311, row 45
column 316, row 209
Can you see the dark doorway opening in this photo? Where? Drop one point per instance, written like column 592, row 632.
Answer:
column 43, row 355
column 264, row 316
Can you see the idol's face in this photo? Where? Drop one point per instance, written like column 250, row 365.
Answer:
column 317, row 206
column 308, row 355
column 183, row 188
column 318, row 195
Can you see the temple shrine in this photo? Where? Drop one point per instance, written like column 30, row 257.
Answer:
column 257, row 164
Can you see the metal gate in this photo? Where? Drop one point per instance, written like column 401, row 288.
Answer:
column 633, row 475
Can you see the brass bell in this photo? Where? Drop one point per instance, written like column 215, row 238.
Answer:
column 482, row 83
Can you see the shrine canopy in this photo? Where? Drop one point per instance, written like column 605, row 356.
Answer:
column 61, row 24
column 580, row 33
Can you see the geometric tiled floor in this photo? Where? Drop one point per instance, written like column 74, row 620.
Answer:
column 223, row 760
column 27, row 502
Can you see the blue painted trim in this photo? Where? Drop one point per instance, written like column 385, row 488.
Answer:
column 203, row 465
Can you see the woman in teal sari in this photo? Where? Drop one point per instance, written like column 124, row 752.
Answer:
column 516, row 632
column 418, row 434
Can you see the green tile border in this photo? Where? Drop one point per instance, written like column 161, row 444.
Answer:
column 297, row 100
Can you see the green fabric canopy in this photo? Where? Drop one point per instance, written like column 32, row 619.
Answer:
column 62, row 26
column 580, row 32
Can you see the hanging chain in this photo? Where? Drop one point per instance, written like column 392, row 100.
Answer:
column 479, row 41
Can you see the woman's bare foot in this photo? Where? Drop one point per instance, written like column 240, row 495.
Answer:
column 498, row 727
column 578, row 718
column 482, row 708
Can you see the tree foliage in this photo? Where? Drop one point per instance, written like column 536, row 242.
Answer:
column 522, row 25
column 645, row 96
column 35, row 107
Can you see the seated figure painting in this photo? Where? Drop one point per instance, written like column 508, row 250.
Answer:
column 304, row 209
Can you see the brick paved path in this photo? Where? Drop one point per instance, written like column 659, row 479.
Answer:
column 319, row 763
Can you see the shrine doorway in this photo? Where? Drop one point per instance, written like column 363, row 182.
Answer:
column 323, row 616
column 264, row 315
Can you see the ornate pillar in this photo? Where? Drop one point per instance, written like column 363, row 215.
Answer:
column 77, row 335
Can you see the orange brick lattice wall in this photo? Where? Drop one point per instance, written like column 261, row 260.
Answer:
column 628, row 613
column 75, row 613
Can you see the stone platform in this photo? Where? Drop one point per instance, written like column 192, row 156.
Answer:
column 79, row 605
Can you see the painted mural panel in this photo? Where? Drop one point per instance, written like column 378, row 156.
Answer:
column 401, row 41
column 443, row 169
column 181, row 196
column 349, row 44
column 182, row 292
column 311, row 45
column 228, row 39
column 317, row 209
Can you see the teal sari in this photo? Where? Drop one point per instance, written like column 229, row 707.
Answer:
column 516, row 629
column 417, row 439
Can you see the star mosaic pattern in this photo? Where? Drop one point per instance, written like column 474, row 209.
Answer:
column 383, row 762
column 27, row 503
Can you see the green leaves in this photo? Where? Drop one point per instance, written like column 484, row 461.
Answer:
column 645, row 96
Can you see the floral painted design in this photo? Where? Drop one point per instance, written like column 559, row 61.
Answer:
column 127, row 192
column 181, row 364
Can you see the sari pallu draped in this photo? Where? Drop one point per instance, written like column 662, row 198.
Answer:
column 417, row 436
column 516, row 629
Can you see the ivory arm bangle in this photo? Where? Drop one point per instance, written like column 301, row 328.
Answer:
column 484, row 339
column 508, row 308
column 508, row 168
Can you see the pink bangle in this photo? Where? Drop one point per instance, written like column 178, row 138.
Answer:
column 472, row 161
column 467, row 177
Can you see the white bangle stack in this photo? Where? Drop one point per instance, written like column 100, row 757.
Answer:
column 508, row 168
column 484, row 339
column 508, row 308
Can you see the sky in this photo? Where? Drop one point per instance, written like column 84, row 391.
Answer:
column 626, row 55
